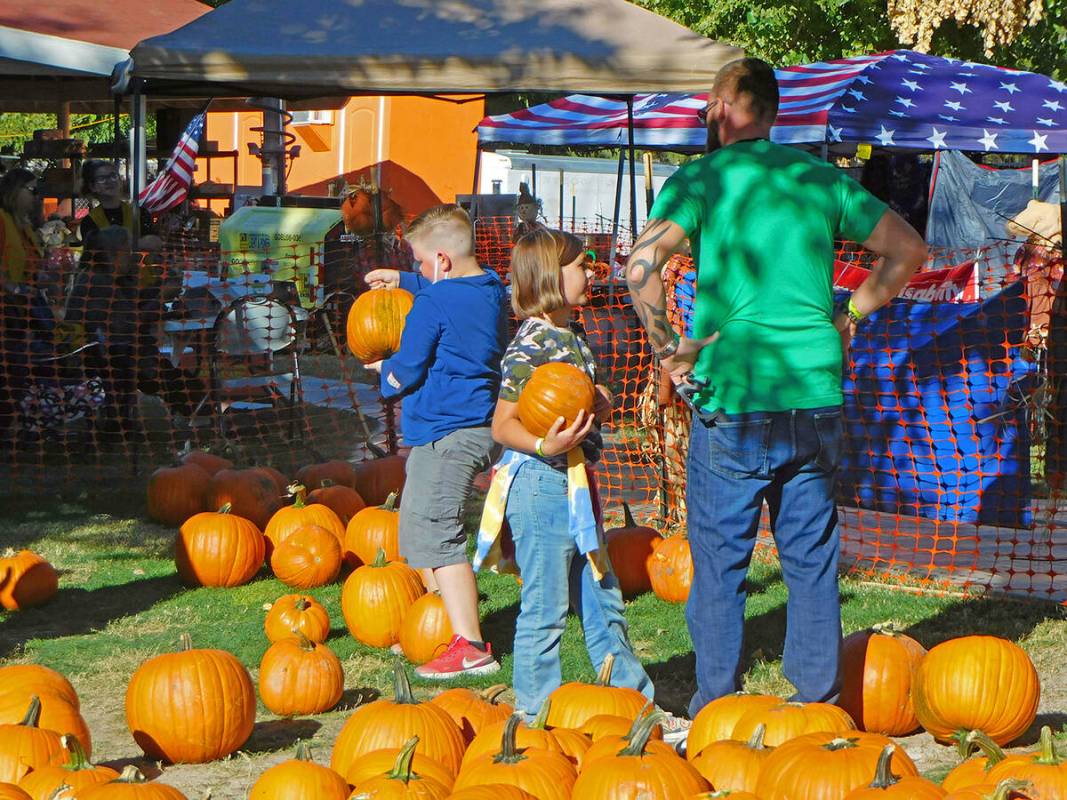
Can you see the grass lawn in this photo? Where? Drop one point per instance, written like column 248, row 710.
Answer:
column 121, row 602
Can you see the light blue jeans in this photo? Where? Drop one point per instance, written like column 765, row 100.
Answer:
column 556, row 577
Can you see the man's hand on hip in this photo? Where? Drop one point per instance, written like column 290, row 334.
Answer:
column 682, row 361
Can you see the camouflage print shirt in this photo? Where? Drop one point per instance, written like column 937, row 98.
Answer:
column 538, row 342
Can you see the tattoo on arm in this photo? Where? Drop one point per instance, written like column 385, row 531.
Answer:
column 646, row 287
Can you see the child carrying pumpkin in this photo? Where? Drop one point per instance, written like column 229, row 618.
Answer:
column 542, row 487
column 448, row 372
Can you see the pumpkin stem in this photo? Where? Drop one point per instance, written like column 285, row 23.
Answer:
column 302, row 604
column 225, row 508
column 840, row 743
column 303, row 751
column 640, row 737
column 1007, row 787
column 603, row 677
column 326, row 483
column 402, row 685
column 305, row 643
column 509, row 753
column 402, row 766
column 33, row 713
column 297, row 492
column 756, row 742
column 541, row 720
column 1048, row 756
column 390, row 502
column 185, row 643
column 131, row 775
column 883, row 773
column 887, row 628
column 77, row 760
column 977, row 740
column 379, row 560
column 637, row 721
column 628, row 517
column 492, row 694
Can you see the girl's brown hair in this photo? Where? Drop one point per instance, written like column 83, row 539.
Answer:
column 536, row 261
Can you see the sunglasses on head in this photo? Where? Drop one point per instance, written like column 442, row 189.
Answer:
column 702, row 114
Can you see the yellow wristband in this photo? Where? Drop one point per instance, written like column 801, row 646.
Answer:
column 537, row 448
column 854, row 313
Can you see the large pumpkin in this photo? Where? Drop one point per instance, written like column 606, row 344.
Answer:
column 790, row 720
column 544, row 774
column 391, row 723
column 376, row 321
column 375, row 598
column 218, row 549
column 192, row 706
column 251, row 493
column 554, row 390
column 425, row 630
column 131, row 785
column 176, row 493
column 889, row 786
column 670, row 568
column 527, row 736
column 608, row 745
column 473, row 711
column 378, row 762
column 572, row 704
column 299, row 779
column 403, row 782
column 297, row 613
column 310, row 556
column 300, row 677
column 26, row 580
column 1045, row 771
column 208, row 462
column 25, row 747
column 56, row 713
column 76, row 772
column 630, row 548
column 370, row 530
column 338, row 472
column 289, row 519
column 381, row 476
column 976, row 683
column 34, row 678
column 343, row 501
column 733, row 765
column 717, row 720
column 878, row 667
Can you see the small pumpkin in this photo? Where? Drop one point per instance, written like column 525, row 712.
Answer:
column 572, row 704
column 472, row 711
column 425, row 630
column 378, row 762
column 608, row 725
column 670, row 568
column 337, row 472
column 26, row 580
column 376, row 596
column 34, row 677
column 297, row 612
column 376, row 321
column 25, row 747
column 131, row 785
column 373, row 529
column 1005, row 790
column 209, row 462
column 310, row 556
column 76, row 772
column 610, row 744
column 56, row 713
column 402, row 782
column 630, row 548
column 789, row 720
column 300, row 677
column 391, row 723
column 973, row 770
column 888, row 785
column 289, row 519
column 527, row 736
column 730, row 764
column 343, row 501
column 192, row 706
column 716, row 721
column 1045, row 771
column 218, row 548
column 176, row 493
column 381, row 476
column 251, row 494
column 976, row 683
column 299, row 778
column 878, row 667
column 553, row 390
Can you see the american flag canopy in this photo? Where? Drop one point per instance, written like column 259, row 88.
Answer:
column 898, row 99
column 171, row 185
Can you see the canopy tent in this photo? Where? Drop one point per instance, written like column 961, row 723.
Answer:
column 899, row 99
column 322, row 47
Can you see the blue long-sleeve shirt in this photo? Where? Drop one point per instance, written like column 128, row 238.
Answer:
column 448, row 365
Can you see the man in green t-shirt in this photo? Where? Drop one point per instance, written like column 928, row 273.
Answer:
column 766, row 354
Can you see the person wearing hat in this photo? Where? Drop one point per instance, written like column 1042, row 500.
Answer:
column 527, row 208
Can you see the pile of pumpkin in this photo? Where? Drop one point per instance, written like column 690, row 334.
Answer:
column 589, row 741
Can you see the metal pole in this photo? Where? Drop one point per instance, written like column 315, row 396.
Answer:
column 533, row 179
column 477, row 170
column 561, row 199
column 633, row 168
column 650, row 196
column 138, row 169
column 615, row 214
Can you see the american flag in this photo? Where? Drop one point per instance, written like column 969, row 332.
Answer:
column 899, row 99
column 171, row 186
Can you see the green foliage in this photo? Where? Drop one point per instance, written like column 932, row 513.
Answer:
column 15, row 129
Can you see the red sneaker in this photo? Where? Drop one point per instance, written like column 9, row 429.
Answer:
column 461, row 658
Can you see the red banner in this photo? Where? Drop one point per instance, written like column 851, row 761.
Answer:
column 954, row 285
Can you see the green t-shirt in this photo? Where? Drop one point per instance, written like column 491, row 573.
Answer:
column 762, row 219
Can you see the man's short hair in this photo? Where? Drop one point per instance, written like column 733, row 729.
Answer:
column 753, row 79
column 446, row 226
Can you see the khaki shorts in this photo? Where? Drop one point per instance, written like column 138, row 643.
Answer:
column 438, row 483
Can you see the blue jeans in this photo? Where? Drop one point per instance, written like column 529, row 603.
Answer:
column 555, row 577
column 737, row 462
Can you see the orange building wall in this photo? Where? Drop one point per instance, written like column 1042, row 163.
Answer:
column 427, row 149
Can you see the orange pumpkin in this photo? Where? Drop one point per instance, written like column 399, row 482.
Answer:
column 974, row 770
column 544, row 774
column 300, row 677
column 376, row 321
column 131, row 785
column 1005, row 790
column 717, row 720
column 299, row 779
column 472, row 711
column 208, row 462
column 730, row 764
column 380, row 477
column 1045, row 772
column 639, row 771
column 378, row 762
column 76, row 772
column 670, row 568
column 9, row 791
column 218, row 549
column 425, row 630
column 532, row 736
column 402, row 782
column 976, row 683
column 176, row 493
column 554, row 390
column 192, row 706
column 300, row 613
column 574, row 745
column 608, row 725
column 341, row 500
column 56, row 713
column 888, row 785
column 289, row 519
column 789, row 720
column 491, row 791
column 391, row 723
column 373, row 529
column 310, row 556
column 630, row 548
column 572, row 704
column 375, row 598
column 26, row 580
column 725, row 793
column 878, row 668
column 25, row 747
column 610, row 744
column 337, row 472
column 33, row 678
column 251, row 494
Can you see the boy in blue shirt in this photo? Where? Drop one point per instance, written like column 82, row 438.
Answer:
column 448, row 372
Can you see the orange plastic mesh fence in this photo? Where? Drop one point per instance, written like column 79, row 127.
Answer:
column 954, row 457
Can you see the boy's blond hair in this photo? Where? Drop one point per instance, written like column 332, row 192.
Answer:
column 447, row 227
column 536, row 261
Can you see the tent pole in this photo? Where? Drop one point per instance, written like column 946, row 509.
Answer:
column 824, row 151
column 477, row 169
column 633, row 170
column 615, row 214
column 561, row 199
column 116, row 131
column 138, row 171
